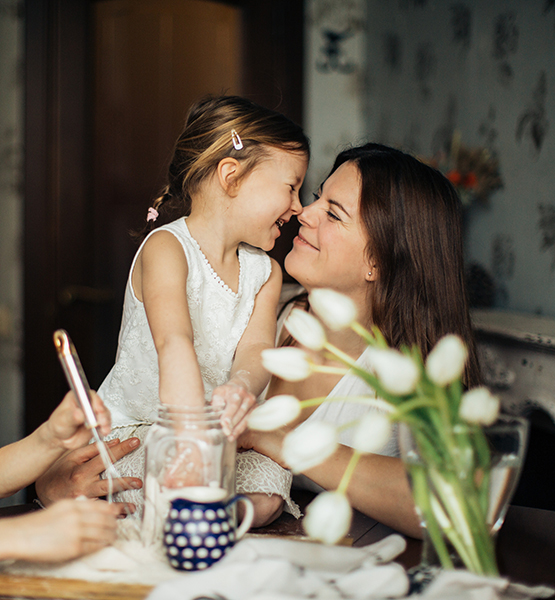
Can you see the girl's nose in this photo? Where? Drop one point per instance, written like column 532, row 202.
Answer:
column 296, row 206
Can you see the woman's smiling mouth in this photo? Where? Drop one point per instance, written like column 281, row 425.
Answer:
column 301, row 240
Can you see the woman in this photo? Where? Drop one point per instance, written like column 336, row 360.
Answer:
column 385, row 230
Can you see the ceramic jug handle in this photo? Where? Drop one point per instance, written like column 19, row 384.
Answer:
column 247, row 517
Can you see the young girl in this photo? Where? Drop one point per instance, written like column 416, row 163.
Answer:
column 68, row 528
column 201, row 299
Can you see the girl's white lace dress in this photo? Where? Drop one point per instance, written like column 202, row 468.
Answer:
column 219, row 317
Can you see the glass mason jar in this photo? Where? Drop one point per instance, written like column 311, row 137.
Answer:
column 187, row 455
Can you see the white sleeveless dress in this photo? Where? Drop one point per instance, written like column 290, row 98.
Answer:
column 219, row 317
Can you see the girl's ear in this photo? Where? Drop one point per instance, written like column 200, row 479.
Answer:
column 228, row 174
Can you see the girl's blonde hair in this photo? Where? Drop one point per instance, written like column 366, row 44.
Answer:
column 208, row 138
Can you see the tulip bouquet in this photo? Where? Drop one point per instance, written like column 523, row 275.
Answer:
column 450, row 469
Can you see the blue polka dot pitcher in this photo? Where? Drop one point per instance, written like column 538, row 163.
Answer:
column 200, row 529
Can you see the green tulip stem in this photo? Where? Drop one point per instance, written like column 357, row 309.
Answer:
column 331, row 370
column 349, row 470
column 368, row 337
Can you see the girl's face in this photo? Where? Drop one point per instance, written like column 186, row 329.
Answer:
column 330, row 249
column 269, row 196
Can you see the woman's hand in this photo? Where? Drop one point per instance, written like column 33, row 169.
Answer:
column 237, row 403
column 77, row 473
column 66, row 530
column 66, row 426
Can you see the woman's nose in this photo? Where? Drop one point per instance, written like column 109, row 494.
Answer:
column 308, row 216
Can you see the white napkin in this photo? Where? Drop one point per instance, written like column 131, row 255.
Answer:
column 464, row 585
column 275, row 569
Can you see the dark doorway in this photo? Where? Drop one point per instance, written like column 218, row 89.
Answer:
column 107, row 87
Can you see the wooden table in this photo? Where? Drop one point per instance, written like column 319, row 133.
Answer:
column 525, row 549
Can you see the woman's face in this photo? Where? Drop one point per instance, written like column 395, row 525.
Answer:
column 330, row 249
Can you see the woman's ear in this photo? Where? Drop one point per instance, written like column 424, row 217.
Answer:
column 372, row 272
column 228, row 174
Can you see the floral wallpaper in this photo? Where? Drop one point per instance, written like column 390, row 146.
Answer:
column 335, row 75
column 485, row 70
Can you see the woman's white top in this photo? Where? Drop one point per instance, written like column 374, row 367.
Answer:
column 341, row 412
column 219, row 317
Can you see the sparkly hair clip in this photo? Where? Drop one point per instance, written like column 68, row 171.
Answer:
column 152, row 214
column 237, row 142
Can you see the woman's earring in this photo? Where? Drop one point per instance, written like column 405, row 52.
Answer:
column 369, row 273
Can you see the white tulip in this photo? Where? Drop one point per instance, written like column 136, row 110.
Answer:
column 372, row 432
column 446, row 361
column 328, row 517
column 479, row 406
column 397, row 372
column 306, row 329
column 291, row 364
column 274, row 413
column 309, row 445
column 336, row 310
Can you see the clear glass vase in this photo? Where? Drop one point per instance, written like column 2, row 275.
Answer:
column 187, row 455
column 462, row 491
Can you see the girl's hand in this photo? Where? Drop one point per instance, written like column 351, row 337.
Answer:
column 64, row 531
column 77, row 473
column 66, row 426
column 237, row 403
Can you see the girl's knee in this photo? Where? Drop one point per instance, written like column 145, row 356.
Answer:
column 266, row 508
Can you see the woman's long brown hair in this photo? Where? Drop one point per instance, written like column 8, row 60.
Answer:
column 412, row 215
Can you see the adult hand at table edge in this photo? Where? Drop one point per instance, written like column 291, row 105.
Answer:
column 77, row 473
column 66, row 530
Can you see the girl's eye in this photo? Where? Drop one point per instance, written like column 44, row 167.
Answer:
column 315, row 196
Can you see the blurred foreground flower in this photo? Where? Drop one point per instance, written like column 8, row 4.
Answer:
column 291, row 364
column 328, row 517
column 275, row 413
column 397, row 372
column 447, row 360
column 372, row 433
column 479, row 406
column 336, row 310
column 306, row 329
column 309, row 445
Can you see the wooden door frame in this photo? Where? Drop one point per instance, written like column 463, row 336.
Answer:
column 58, row 155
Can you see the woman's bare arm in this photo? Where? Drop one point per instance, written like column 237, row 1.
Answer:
column 378, row 488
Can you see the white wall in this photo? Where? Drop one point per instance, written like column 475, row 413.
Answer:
column 11, row 207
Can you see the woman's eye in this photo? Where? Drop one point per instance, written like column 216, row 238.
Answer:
column 332, row 216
